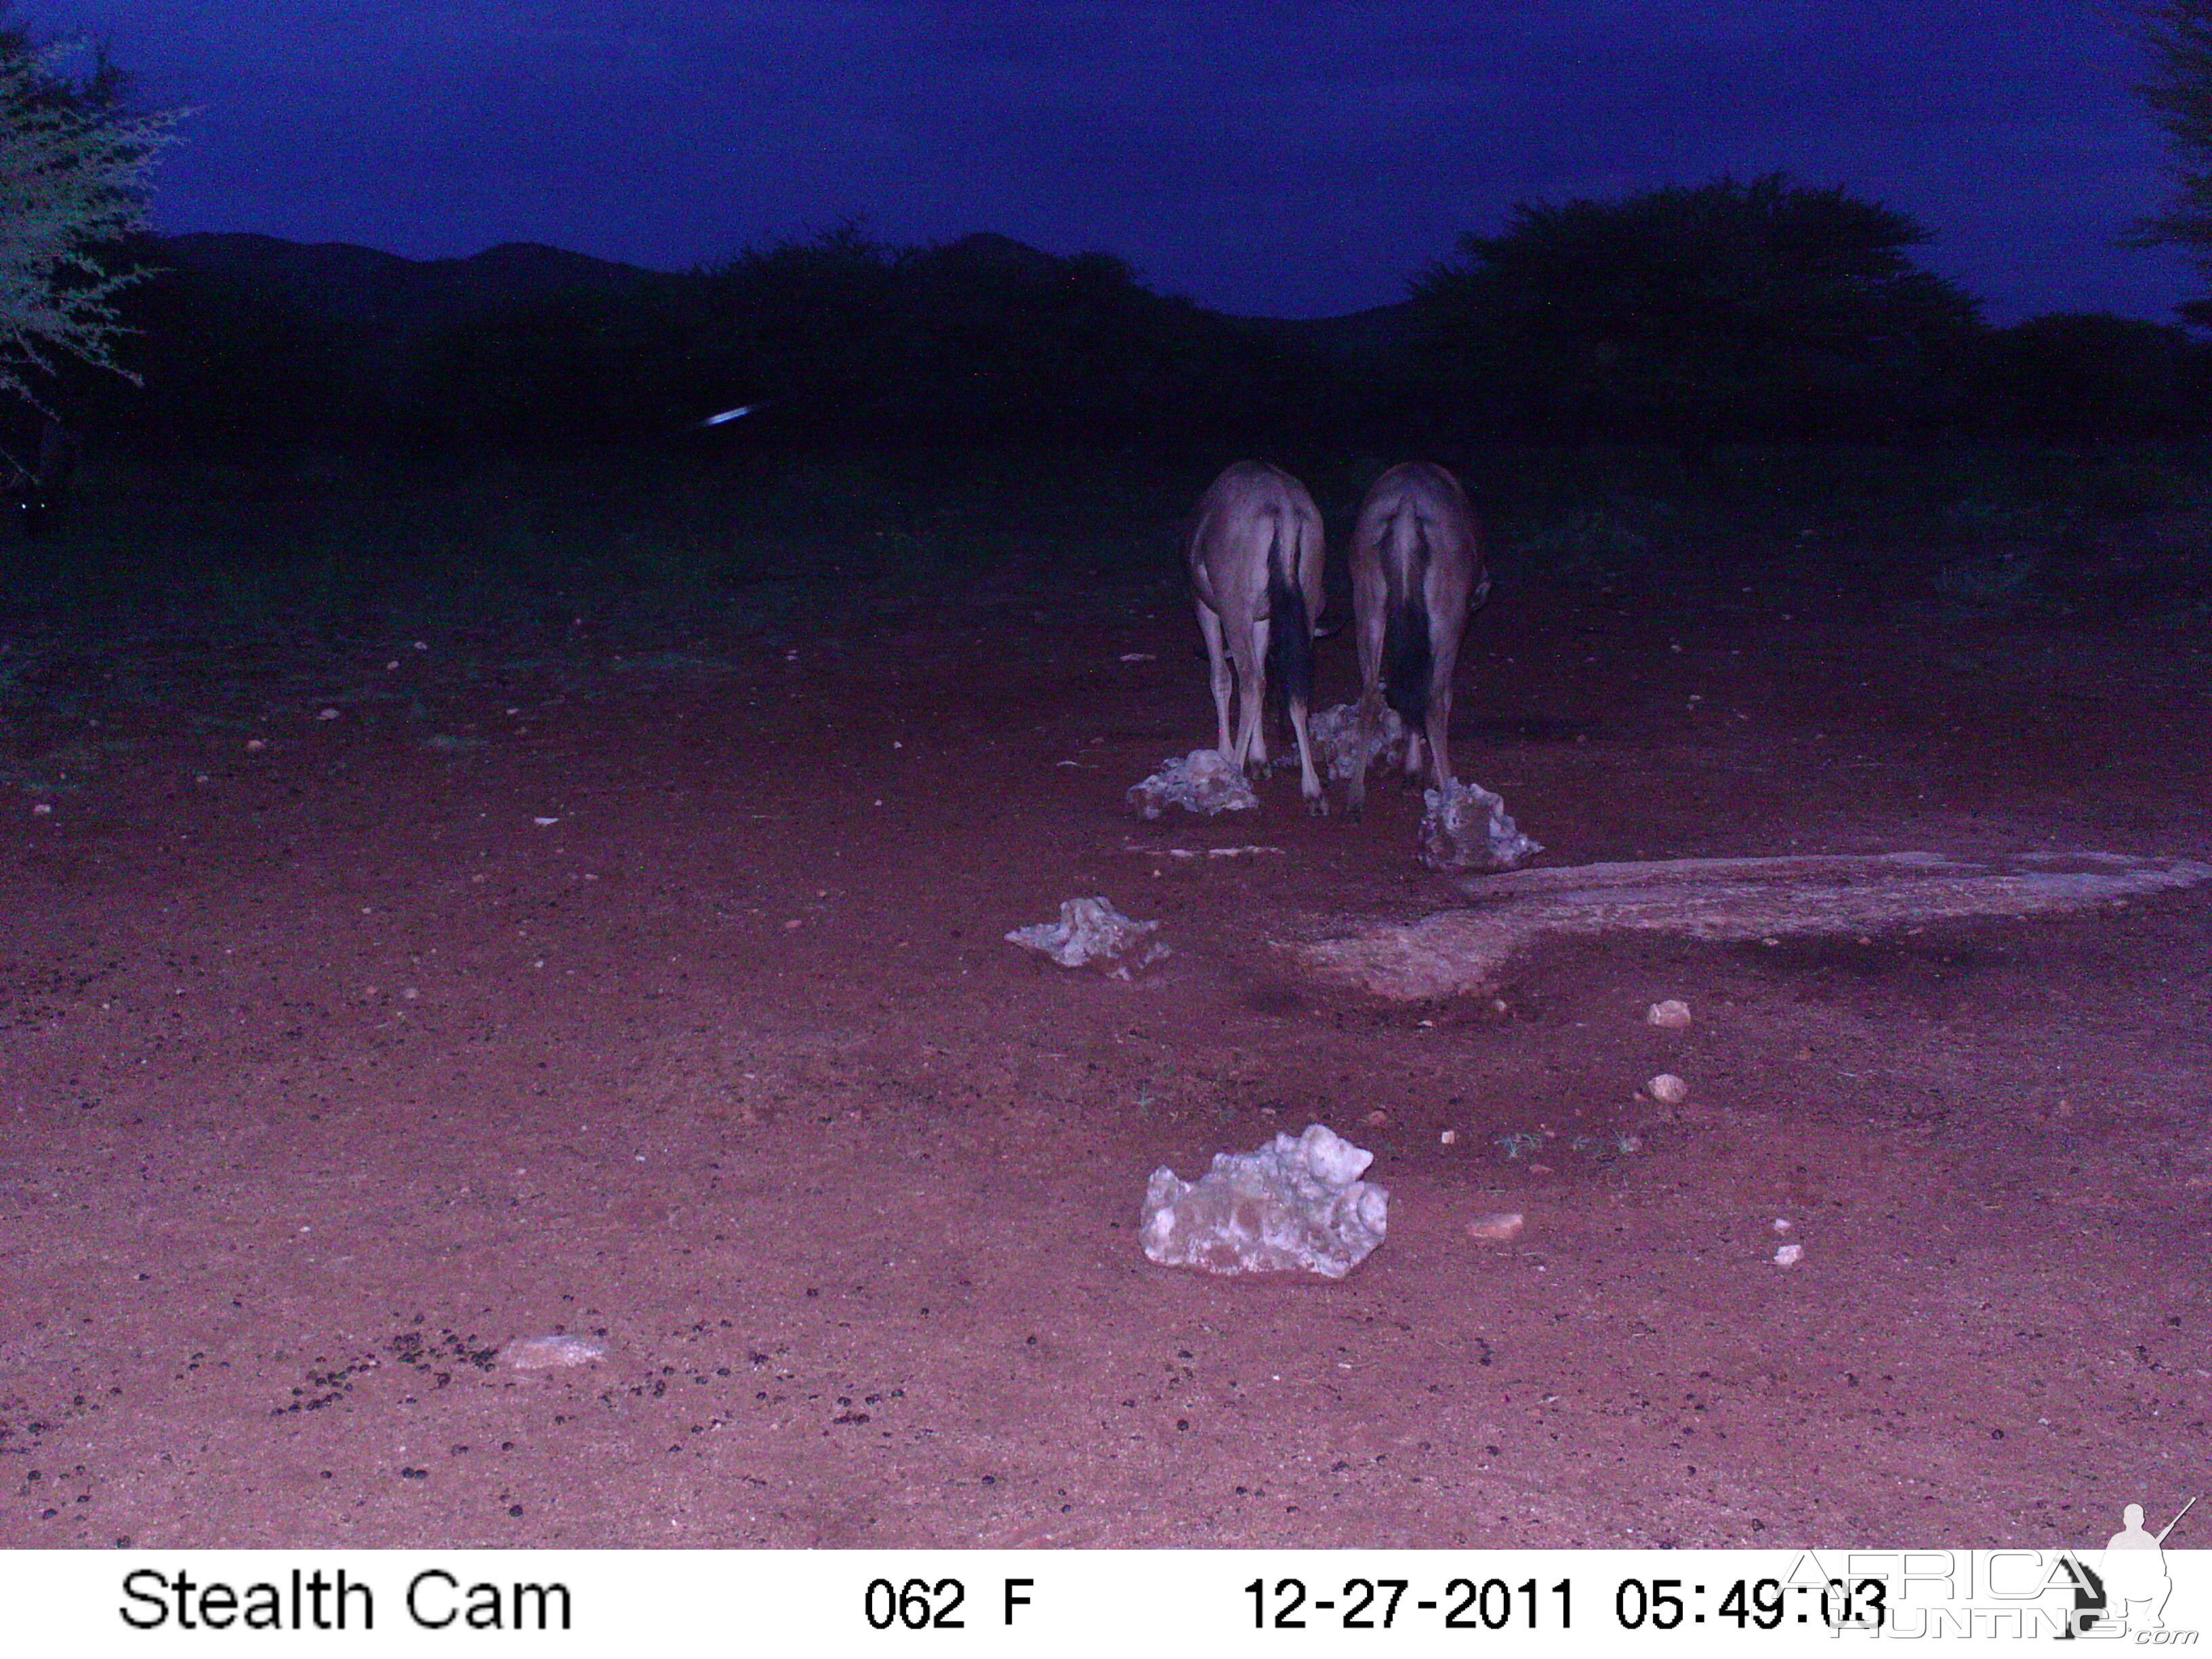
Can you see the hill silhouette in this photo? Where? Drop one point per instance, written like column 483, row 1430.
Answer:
column 367, row 287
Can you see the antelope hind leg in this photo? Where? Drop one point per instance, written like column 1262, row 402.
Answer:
column 1252, row 688
column 1414, row 774
column 1370, row 723
column 1440, row 766
column 1308, row 779
column 1209, row 628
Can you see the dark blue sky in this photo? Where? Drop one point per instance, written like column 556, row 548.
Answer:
column 1289, row 158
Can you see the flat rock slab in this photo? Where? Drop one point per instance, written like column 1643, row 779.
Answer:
column 1464, row 952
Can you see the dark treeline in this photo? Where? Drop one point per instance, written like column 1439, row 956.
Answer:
column 1769, row 313
column 245, row 343
column 1727, row 313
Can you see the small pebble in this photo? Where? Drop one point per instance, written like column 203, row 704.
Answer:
column 1782, row 1225
column 1497, row 1228
column 1788, row 1255
column 1668, row 1088
column 1376, row 1119
column 1451, row 1137
column 1673, row 1014
column 255, row 746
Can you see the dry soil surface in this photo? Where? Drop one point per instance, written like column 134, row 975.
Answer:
column 661, row 1000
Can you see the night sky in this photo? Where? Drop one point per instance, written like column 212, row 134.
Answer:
column 1285, row 158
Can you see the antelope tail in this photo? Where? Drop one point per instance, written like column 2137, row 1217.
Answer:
column 1406, row 656
column 1289, row 629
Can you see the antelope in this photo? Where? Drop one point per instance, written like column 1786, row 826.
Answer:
column 37, row 480
column 1417, row 571
column 1255, row 559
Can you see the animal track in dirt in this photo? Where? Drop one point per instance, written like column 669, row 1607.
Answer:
column 1463, row 951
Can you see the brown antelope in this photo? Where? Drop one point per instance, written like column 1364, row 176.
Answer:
column 1255, row 559
column 1417, row 571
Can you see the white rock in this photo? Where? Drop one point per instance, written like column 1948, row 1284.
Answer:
column 1668, row 1088
column 1292, row 1206
column 1090, row 930
column 1497, row 1228
column 1672, row 1014
column 1471, row 830
column 1201, row 781
column 1788, row 1255
column 534, row 1353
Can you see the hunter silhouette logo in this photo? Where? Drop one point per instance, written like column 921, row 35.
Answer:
column 2127, row 1590
column 2135, row 1580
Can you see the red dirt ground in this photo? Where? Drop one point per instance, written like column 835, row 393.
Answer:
column 329, row 1069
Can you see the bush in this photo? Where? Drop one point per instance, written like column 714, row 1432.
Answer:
column 73, row 168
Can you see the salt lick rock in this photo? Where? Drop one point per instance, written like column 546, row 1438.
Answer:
column 1091, row 931
column 1468, row 827
column 1292, row 1206
column 1201, row 781
column 1335, row 734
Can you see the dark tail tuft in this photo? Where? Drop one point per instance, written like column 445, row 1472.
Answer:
column 1290, row 635
column 1407, row 658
